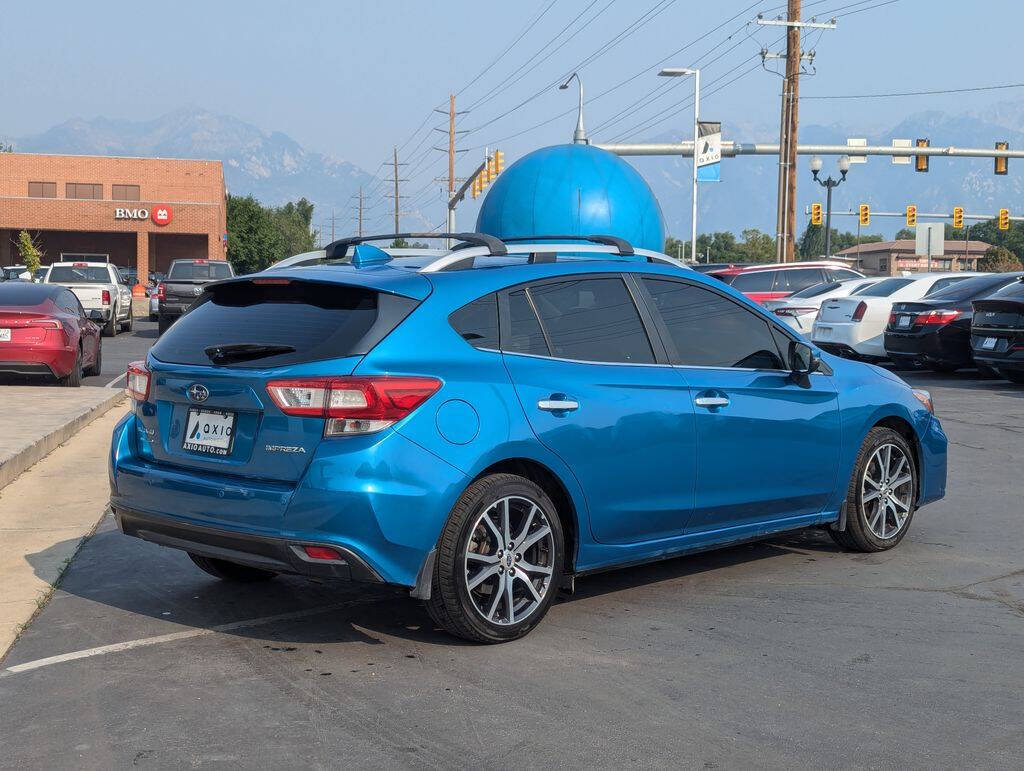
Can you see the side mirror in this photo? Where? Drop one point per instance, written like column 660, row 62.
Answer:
column 802, row 359
column 95, row 315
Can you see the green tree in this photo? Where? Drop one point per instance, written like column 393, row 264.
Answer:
column 811, row 244
column 757, row 246
column 261, row 235
column 676, row 248
column 999, row 259
column 31, row 254
column 401, row 243
column 905, row 233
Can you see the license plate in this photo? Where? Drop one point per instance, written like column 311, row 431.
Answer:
column 989, row 343
column 904, row 321
column 823, row 333
column 210, row 432
column 5, row 335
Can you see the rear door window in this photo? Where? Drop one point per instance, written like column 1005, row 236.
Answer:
column 709, row 330
column 942, row 283
column 795, row 279
column 886, row 288
column 293, row 323
column 477, row 322
column 758, row 281
column 592, row 319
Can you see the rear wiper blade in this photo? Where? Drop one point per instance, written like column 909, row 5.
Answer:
column 222, row 354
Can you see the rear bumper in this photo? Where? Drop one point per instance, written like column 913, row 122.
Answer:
column 935, row 348
column 854, row 338
column 172, row 310
column 277, row 554
column 41, row 360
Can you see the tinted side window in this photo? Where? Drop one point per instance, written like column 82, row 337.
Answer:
column 842, row 274
column 758, row 281
column 477, row 322
column 712, row 331
column 942, row 283
column 592, row 319
column 795, row 280
column 525, row 335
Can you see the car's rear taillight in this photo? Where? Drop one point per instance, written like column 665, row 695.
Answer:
column 137, row 386
column 859, row 311
column 161, row 291
column 106, row 297
column 352, row 405
column 44, row 323
column 936, row 317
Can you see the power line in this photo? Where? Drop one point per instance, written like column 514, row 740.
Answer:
column 917, row 93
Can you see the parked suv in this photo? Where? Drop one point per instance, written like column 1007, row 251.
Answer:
column 778, row 280
column 484, row 426
column 184, row 283
column 997, row 332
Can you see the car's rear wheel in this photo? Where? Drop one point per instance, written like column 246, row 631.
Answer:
column 882, row 495
column 74, row 378
column 129, row 323
column 97, row 366
column 163, row 324
column 943, row 367
column 110, row 328
column 230, row 571
column 499, row 561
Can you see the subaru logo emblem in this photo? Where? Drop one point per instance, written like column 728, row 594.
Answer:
column 198, row 393
column 197, row 290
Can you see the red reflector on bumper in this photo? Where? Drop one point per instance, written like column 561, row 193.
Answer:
column 321, row 553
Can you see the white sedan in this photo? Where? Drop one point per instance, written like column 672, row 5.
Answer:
column 800, row 308
column 855, row 326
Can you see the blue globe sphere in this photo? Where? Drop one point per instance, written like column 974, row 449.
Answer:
column 573, row 190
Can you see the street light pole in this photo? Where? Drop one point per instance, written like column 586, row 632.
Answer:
column 675, row 72
column 828, row 184
column 579, row 136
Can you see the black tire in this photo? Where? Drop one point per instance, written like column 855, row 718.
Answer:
column 452, row 604
column 1013, row 375
column 987, row 373
column 231, row 571
column 74, row 378
column 859, row 534
column 945, row 368
column 163, row 324
column 96, row 368
column 154, row 316
column 111, row 327
column 129, row 324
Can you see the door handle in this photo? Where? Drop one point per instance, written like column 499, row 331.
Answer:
column 711, row 401
column 558, row 405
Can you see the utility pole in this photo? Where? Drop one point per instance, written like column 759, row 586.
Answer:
column 396, row 190
column 360, row 214
column 785, row 219
column 332, row 225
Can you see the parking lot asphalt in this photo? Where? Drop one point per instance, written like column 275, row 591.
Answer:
column 783, row 653
column 124, row 348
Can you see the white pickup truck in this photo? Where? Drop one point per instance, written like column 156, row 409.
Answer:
column 98, row 286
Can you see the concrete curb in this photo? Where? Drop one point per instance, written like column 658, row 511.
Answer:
column 40, row 448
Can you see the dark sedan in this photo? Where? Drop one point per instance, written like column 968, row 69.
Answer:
column 997, row 332
column 45, row 332
column 936, row 332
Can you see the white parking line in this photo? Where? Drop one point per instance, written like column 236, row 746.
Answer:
column 119, row 377
column 173, row 636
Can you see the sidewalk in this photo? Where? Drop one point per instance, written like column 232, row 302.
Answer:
column 34, row 421
column 44, row 515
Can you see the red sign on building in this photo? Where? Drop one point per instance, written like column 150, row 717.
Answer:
column 162, row 214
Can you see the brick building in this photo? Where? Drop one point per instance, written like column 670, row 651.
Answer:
column 892, row 258
column 138, row 212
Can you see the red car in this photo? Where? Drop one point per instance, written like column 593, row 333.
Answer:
column 781, row 279
column 44, row 331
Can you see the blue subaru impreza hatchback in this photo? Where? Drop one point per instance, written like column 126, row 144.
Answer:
column 483, row 425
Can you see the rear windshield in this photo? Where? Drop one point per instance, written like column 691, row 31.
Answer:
column 886, row 287
column 970, row 288
column 65, row 274
column 186, row 270
column 1013, row 291
column 317, row 321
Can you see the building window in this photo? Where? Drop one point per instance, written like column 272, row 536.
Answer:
column 42, row 189
column 83, row 190
column 124, row 192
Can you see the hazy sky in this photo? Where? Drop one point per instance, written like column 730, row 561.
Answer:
column 352, row 79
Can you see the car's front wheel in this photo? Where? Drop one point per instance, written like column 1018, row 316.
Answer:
column 499, row 561
column 882, row 495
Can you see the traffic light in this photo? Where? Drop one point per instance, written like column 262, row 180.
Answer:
column 1004, row 219
column 499, row 162
column 958, row 217
column 485, row 173
column 815, row 213
column 475, row 187
column 1002, row 164
column 911, row 216
column 864, row 214
column 921, row 161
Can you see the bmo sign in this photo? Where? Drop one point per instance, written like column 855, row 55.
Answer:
column 160, row 214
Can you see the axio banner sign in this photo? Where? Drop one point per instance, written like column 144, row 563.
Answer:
column 708, row 152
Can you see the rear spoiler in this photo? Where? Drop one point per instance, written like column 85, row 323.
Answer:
column 396, row 281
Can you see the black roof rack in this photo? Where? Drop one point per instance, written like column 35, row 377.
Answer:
column 337, row 250
column 625, row 248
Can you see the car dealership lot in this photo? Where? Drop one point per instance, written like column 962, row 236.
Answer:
column 787, row 652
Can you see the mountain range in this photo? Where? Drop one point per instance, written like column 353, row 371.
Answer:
column 275, row 168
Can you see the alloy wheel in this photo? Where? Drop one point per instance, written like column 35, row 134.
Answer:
column 509, row 560
column 887, row 491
